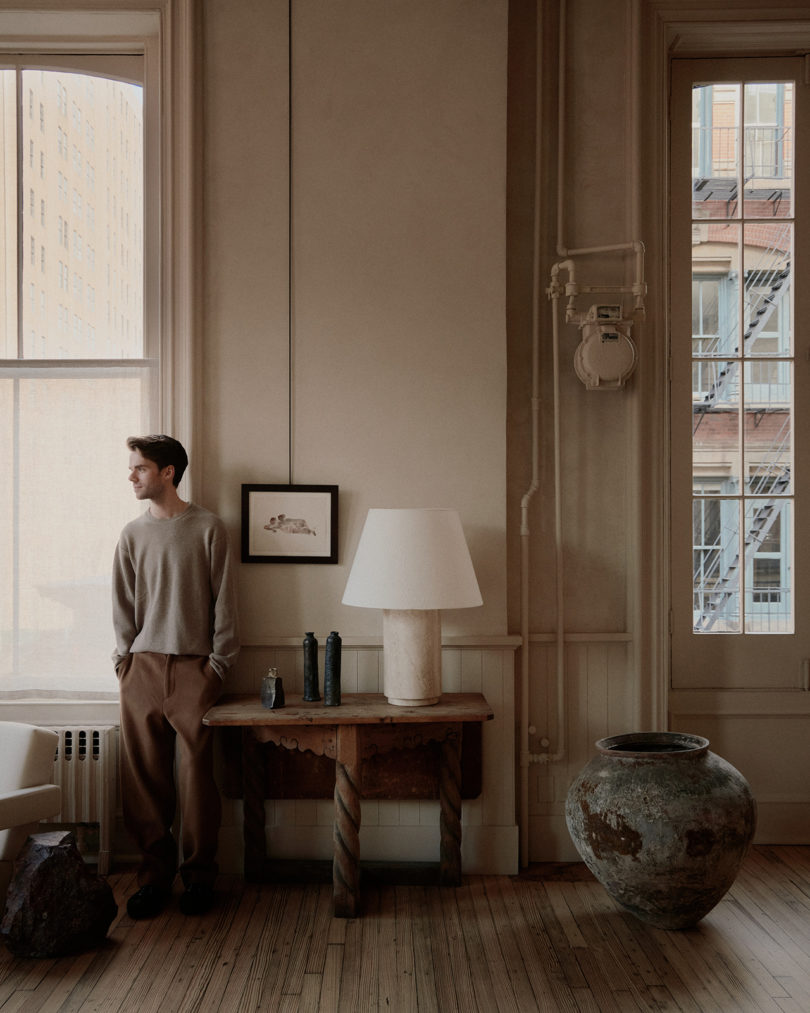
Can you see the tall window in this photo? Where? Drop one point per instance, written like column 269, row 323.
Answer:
column 742, row 356
column 78, row 366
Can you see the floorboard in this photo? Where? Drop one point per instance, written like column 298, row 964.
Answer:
column 550, row 940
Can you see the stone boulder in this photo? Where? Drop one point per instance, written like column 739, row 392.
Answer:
column 55, row 904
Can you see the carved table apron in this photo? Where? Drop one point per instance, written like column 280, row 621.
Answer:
column 362, row 726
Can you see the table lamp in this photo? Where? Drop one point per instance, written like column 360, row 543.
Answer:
column 411, row 563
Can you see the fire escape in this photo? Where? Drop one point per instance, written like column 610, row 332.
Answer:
column 717, row 591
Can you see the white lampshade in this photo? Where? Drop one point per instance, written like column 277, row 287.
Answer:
column 412, row 559
column 411, row 563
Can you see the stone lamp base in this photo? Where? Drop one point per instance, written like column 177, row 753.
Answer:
column 412, row 656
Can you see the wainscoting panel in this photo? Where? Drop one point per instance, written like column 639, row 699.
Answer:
column 599, row 699
column 761, row 733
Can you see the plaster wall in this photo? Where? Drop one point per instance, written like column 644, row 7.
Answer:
column 391, row 347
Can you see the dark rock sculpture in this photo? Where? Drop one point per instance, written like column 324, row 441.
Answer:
column 55, row 904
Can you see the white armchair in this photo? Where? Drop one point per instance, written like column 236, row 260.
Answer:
column 27, row 793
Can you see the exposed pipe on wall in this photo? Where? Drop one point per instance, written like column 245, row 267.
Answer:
column 523, row 822
column 555, row 291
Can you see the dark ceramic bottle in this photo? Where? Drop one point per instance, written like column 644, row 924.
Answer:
column 311, row 691
column 331, row 670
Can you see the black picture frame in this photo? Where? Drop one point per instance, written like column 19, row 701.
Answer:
column 289, row 523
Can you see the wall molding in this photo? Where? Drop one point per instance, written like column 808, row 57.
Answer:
column 740, row 703
column 484, row 641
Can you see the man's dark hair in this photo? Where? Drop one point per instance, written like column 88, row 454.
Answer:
column 163, row 450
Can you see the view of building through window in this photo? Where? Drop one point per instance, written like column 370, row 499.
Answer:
column 742, row 357
column 77, row 375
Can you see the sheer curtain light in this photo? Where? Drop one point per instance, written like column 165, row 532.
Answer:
column 411, row 563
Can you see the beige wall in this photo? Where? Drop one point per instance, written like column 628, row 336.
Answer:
column 398, row 346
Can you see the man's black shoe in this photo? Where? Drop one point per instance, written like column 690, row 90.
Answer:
column 147, row 902
column 197, row 899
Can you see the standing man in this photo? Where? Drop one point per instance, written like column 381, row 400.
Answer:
column 174, row 614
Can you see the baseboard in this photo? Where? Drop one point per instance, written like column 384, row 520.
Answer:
column 484, row 850
column 783, row 823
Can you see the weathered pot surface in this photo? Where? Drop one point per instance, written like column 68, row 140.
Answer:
column 663, row 823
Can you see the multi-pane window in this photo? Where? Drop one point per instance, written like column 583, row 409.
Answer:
column 71, row 387
column 742, row 357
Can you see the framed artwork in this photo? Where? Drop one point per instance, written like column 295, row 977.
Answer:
column 289, row 524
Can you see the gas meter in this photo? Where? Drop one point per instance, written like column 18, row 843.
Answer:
column 606, row 355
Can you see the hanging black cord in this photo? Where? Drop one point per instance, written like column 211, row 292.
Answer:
column 289, row 247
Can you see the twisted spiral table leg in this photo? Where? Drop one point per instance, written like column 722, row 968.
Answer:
column 450, row 815
column 346, row 863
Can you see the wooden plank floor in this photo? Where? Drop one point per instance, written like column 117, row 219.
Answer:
column 548, row 940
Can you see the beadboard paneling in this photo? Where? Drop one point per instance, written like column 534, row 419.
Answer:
column 600, row 699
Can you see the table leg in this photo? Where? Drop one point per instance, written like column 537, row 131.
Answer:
column 450, row 811
column 253, row 821
column 346, row 860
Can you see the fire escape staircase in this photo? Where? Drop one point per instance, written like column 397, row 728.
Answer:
column 718, row 589
column 725, row 587
column 762, row 305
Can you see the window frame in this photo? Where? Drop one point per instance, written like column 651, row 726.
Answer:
column 668, row 31
column 716, row 670
column 165, row 34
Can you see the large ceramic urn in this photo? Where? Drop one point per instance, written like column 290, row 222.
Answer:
column 663, row 824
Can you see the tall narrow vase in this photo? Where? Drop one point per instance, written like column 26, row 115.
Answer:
column 663, row 824
column 311, row 691
column 331, row 670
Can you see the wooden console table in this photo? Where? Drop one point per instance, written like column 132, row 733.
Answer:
column 363, row 725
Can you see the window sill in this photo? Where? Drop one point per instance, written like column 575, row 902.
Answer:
column 60, row 711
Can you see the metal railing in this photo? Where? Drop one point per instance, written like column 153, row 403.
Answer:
column 767, row 152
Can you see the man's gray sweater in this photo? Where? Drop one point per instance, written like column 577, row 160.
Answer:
column 174, row 588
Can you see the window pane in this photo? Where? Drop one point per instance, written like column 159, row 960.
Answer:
column 769, row 597
column 88, row 171
column 716, row 565
column 715, row 150
column 705, row 314
column 7, row 508
column 716, row 426
column 768, row 423
column 768, row 150
column 70, row 502
column 715, row 288
column 766, row 304
column 8, row 215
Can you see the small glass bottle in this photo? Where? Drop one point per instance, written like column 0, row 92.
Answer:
column 311, row 691
column 331, row 671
